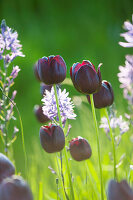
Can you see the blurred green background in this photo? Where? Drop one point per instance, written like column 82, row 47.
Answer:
column 76, row 30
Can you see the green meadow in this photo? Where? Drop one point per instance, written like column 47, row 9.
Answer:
column 76, row 30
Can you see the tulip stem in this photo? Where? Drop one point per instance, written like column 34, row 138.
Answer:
column 65, row 153
column 113, row 143
column 98, row 143
column 58, row 108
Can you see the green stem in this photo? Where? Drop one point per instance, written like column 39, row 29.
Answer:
column 4, row 109
column 65, row 153
column 22, row 132
column 40, row 191
column 57, row 104
column 60, row 175
column 113, row 143
column 57, row 188
column 98, row 143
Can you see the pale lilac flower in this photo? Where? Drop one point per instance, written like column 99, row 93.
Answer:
column 2, row 127
column 12, row 76
column 10, row 110
column 9, row 42
column 13, row 95
column 65, row 104
column 128, row 36
column 131, row 167
column 115, row 122
column 10, row 48
column 15, row 130
column 15, row 71
column 125, row 77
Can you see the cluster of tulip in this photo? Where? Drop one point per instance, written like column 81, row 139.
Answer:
column 52, row 70
column 12, row 187
column 87, row 80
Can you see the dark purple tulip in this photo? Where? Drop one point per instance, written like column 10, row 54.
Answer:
column 39, row 114
column 80, row 149
column 52, row 69
column 44, row 87
column 36, row 71
column 85, row 78
column 104, row 97
column 15, row 188
column 52, row 138
column 6, row 167
column 119, row 191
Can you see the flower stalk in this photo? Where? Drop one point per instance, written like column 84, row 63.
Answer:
column 98, row 144
column 4, row 98
column 10, row 48
column 113, row 143
column 65, row 153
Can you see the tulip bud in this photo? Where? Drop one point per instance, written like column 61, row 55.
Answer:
column 80, row 149
column 52, row 70
column 52, row 138
column 44, row 87
column 85, row 78
column 36, row 71
column 119, row 191
column 15, row 188
column 6, row 167
column 104, row 97
column 39, row 114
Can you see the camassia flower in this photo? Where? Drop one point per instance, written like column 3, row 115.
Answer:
column 65, row 104
column 10, row 48
column 128, row 36
column 115, row 122
column 126, row 78
column 9, row 42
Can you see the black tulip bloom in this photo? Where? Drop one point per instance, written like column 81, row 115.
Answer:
column 36, row 71
column 80, row 149
column 104, row 97
column 6, row 167
column 15, row 188
column 52, row 138
column 52, row 69
column 44, row 87
column 39, row 114
column 119, row 191
column 85, row 78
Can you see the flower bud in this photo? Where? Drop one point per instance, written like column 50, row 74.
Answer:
column 52, row 138
column 15, row 188
column 44, row 87
column 39, row 114
column 36, row 71
column 119, row 191
column 6, row 167
column 52, row 70
column 104, row 97
column 80, row 149
column 85, row 78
